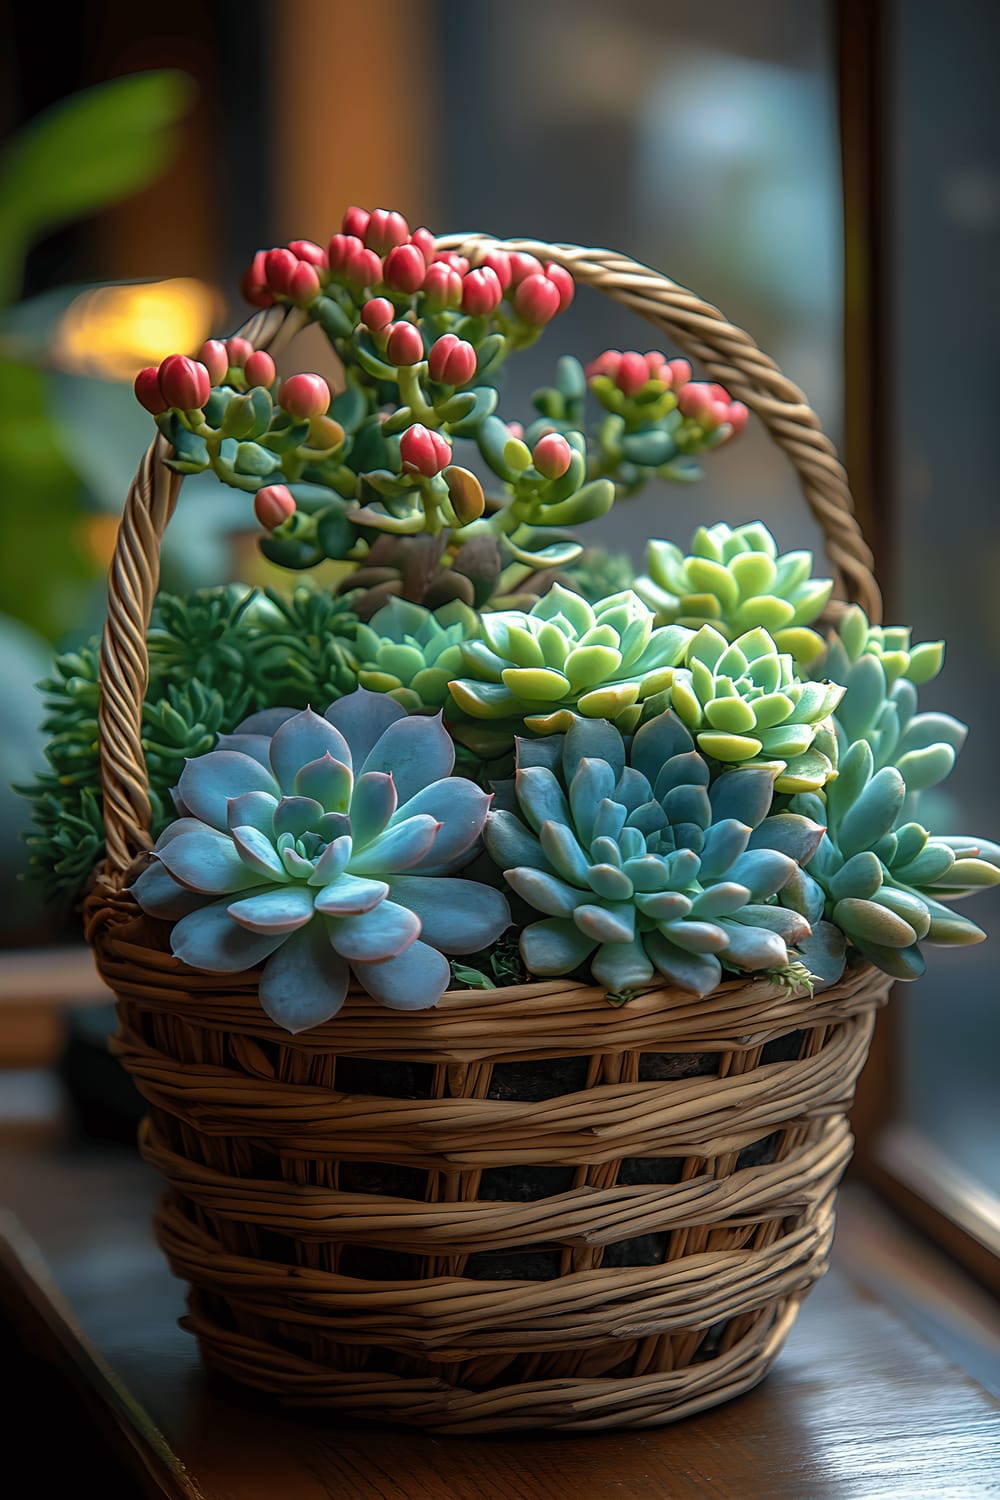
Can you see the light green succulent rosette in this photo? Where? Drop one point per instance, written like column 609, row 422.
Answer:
column 564, row 658
column 735, row 580
column 412, row 653
column 745, row 706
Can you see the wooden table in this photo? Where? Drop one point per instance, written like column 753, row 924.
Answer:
column 859, row 1407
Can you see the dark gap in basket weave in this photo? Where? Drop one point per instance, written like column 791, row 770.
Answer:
column 783, row 1048
column 371, row 1263
column 390, row 1179
column 513, row 1265
column 387, row 1079
column 709, row 1346
column 546, row 1078
column 647, row 1171
column 655, row 1067
column 642, row 1250
column 524, row 1184
column 759, row 1153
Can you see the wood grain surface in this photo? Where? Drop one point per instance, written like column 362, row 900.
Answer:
column 859, row 1407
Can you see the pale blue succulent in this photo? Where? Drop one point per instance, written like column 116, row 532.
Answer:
column 879, row 880
column 326, row 847
column 880, row 673
column 643, row 867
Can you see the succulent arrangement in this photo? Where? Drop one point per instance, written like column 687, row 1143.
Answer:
column 488, row 740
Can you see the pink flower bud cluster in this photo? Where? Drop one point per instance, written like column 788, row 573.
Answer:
column 630, row 371
column 712, row 407
column 375, row 250
column 187, row 383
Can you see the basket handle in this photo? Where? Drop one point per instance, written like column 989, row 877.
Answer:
column 727, row 353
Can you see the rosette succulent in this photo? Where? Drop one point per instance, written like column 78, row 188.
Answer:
column 879, row 881
column 856, row 638
column 880, row 673
column 643, row 867
column 413, row 653
column 326, row 847
column 567, row 657
column 745, row 705
column 734, row 580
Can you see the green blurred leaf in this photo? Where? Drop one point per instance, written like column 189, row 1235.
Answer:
column 84, row 153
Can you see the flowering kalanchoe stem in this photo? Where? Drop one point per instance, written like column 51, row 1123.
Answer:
column 326, row 848
column 640, row 866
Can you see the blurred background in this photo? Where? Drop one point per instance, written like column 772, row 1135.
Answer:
column 826, row 171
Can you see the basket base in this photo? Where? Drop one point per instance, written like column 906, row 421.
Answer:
column 569, row 1405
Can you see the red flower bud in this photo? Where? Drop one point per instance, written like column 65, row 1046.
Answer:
column 442, row 287
column 499, row 261
column 481, row 292
column 605, row 364
column 552, row 456
column 377, row 313
column 424, row 452
column 355, row 222
column 254, row 285
column 521, row 266
column 184, row 382
column 632, row 373
column 339, row 248
column 308, row 251
column 239, row 351
column 280, row 267
column 147, row 390
column 362, row 267
column 738, row 416
column 537, row 300
column 516, row 429
column 273, row 504
column 304, row 396
column 259, row 369
column 404, row 346
column 425, row 243
column 452, row 259
column 404, row 269
column 215, row 357
column 451, row 361
column 694, row 401
column 564, row 282
column 680, row 371
column 304, row 284
column 385, row 229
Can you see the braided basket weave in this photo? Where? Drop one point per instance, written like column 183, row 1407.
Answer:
column 522, row 1208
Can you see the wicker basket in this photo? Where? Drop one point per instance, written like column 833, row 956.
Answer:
column 523, row 1208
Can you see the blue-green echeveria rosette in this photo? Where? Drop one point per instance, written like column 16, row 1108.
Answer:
column 879, row 882
column 326, row 847
column 642, row 867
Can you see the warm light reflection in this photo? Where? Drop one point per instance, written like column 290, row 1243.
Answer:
column 113, row 331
